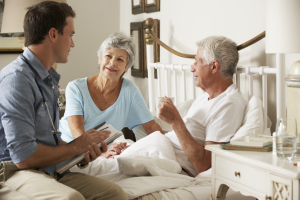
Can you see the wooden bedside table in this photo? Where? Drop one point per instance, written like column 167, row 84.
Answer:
column 258, row 174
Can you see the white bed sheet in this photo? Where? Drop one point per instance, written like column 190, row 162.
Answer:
column 150, row 161
column 148, row 166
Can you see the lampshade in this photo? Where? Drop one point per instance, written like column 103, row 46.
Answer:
column 14, row 13
column 283, row 26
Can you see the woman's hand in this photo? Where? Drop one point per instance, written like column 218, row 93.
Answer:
column 114, row 149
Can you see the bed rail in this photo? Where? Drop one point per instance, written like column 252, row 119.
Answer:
column 264, row 71
column 163, row 81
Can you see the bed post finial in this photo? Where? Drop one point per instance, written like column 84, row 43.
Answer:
column 149, row 23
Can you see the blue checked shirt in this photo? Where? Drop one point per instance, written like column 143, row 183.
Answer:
column 24, row 121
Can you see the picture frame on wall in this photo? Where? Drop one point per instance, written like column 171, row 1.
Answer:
column 137, row 33
column 152, row 6
column 137, row 6
column 10, row 45
column 9, row 42
column 156, row 47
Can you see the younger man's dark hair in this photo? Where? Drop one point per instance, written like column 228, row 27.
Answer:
column 41, row 17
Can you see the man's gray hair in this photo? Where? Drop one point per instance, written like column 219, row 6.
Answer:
column 119, row 40
column 221, row 49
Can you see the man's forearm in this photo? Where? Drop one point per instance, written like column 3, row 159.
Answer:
column 195, row 152
column 62, row 142
column 47, row 155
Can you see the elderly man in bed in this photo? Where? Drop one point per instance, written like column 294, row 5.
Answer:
column 214, row 116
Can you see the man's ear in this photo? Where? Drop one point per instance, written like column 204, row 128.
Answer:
column 52, row 34
column 215, row 66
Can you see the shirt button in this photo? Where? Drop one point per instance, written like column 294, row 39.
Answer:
column 49, row 77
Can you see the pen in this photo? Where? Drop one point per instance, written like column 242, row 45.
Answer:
column 103, row 129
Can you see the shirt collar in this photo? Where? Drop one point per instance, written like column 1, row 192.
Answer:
column 39, row 68
column 55, row 75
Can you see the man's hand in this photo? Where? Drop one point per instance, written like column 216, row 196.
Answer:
column 93, row 152
column 88, row 142
column 167, row 111
column 114, row 149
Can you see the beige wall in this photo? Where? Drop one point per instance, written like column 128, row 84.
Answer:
column 183, row 23
column 95, row 21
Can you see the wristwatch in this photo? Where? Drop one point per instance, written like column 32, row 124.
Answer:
column 82, row 166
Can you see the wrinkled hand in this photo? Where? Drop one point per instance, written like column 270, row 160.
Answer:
column 114, row 149
column 167, row 111
column 88, row 142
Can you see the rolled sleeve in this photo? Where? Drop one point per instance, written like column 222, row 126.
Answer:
column 17, row 115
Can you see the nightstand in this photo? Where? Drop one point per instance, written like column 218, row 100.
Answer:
column 258, row 174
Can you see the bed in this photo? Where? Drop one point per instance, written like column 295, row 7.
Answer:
column 148, row 169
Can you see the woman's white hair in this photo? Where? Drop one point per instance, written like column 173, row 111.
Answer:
column 119, row 40
column 221, row 49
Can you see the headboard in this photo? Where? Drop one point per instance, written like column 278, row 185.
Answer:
column 170, row 73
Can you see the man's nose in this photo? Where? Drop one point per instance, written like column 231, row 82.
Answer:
column 192, row 68
column 72, row 43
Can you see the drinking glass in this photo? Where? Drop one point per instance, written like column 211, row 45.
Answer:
column 286, row 141
column 158, row 99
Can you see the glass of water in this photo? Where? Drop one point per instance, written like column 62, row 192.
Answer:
column 286, row 140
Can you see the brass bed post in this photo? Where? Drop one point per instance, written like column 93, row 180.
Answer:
column 148, row 26
column 149, row 53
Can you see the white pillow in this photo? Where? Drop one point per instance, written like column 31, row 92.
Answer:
column 182, row 108
column 253, row 119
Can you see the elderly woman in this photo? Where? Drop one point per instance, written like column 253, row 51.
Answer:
column 107, row 96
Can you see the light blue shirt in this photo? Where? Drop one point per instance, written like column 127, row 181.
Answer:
column 24, row 121
column 130, row 109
